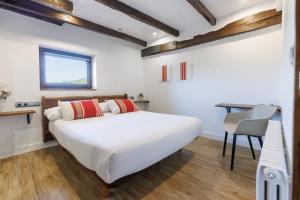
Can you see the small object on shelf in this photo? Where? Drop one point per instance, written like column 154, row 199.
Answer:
column 140, row 96
column 19, row 112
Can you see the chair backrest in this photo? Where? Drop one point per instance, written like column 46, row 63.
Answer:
column 258, row 120
column 263, row 112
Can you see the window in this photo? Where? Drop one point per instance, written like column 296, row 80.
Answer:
column 64, row 70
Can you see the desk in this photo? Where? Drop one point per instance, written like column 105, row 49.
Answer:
column 229, row 106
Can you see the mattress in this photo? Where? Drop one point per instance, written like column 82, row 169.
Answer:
column 117, row 145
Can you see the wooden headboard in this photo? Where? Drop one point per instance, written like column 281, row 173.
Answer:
column 50, row 102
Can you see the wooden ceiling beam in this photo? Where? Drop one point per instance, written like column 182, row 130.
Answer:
column 251, row 23
column 38, row 10
column 140, row 16
column 203, row 10
column 33, row 15
column 63, row 5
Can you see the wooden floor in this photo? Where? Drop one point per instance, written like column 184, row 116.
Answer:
column 197, row 172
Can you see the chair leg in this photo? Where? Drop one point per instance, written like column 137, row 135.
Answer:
column 225, row 142
column 251, row 147
column 260, row 141
column 233, row 151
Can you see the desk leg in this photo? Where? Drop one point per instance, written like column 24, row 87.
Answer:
column 228, row 109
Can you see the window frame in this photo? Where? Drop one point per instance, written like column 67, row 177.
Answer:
column 44, row 85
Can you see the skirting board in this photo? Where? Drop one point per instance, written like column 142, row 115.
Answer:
column 241, row 140
column 26, row 149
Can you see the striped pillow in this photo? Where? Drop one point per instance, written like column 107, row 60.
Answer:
column 73, row 110
column 122, row 106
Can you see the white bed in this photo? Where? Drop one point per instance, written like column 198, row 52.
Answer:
column 115, row 146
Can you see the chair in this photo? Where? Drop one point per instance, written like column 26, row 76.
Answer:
column 250, row 123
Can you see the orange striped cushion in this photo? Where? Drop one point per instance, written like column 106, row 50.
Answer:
column 121, row 106
column 126, row 105
column 80, row 109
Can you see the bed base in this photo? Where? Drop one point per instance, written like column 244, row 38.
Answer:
column 105, row 188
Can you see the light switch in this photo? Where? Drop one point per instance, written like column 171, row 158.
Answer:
column 27, row 104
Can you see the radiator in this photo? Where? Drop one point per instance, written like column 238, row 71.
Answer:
column 272, row 178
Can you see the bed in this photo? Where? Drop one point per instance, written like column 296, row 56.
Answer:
column 117, row 145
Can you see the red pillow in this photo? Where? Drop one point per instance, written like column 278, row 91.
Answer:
column 122, row 106
column 80, row 109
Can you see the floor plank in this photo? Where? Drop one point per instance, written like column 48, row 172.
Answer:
column 197, row 172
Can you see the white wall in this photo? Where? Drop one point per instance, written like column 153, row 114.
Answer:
column 241, row 69
column 119, row 71
column 288, row 74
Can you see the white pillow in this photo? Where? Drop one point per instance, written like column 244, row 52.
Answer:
column 104, row 107
column 66, row 110
column 53, row 114
column 113, row 107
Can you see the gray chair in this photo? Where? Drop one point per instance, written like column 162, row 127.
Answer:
column 253, row 123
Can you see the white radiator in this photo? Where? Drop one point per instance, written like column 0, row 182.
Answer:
column 272, row 179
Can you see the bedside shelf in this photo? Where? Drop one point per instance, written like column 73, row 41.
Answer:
column 141, row 101
column 18, row 112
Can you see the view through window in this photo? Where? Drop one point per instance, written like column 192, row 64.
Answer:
column 60, row 69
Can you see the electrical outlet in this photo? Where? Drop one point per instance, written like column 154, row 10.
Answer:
column 27, row 104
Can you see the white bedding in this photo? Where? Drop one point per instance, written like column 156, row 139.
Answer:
column 115, row 146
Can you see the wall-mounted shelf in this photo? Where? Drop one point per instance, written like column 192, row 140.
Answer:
column 141, row 101
column 19, row 112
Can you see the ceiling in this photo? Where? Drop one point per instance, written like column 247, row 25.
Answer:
column 177, row 13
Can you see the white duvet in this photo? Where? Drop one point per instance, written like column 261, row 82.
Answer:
column 115, row 146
